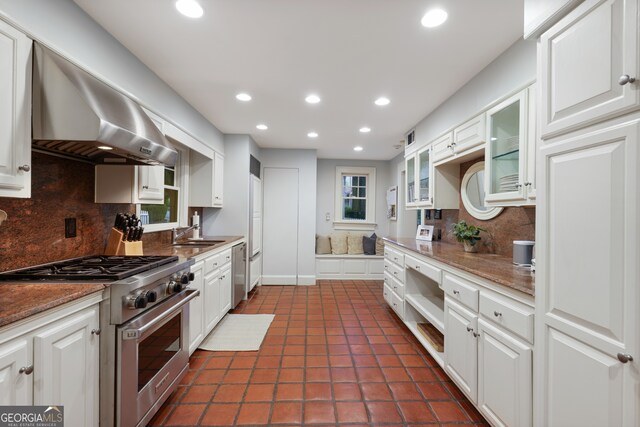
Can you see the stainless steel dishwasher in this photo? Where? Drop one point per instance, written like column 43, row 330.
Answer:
column 239, row 268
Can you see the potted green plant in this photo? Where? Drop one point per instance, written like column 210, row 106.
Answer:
column 469, row 235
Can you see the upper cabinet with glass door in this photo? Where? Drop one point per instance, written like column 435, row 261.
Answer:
column 428, row 186
column 508, row 170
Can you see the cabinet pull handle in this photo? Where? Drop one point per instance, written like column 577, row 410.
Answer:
column 95, row 331
column 527, row 184
column 145, row 187
column 456, row 292
column 476, row 335
column 497, row 313
column 624, row 358
column 519, row 186
column 27, row 370
column 24, row 168
column 625, row 78
column 469, row 329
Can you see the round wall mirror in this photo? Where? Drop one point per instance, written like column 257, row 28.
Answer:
column 472, row 191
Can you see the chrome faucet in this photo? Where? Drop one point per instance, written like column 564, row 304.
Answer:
column 175, row 235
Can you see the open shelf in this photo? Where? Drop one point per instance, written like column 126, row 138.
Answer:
column 437, row 356
column 431, row 307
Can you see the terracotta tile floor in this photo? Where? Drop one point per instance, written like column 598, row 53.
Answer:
column 335, row 355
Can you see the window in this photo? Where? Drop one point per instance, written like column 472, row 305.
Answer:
column 355, row 197
column 167, row 215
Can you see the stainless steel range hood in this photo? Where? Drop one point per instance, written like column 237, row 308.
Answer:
column 74, row 114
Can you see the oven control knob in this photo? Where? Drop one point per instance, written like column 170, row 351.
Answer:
column 184, row 279
column 152, row 296
column 174, row 287
column 137, row 301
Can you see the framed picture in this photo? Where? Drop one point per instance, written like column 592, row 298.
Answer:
column 425, row 232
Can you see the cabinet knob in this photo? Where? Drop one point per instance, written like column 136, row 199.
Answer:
column 624, row 358
column 95, row 331
column 497, row 313
column 27, row 370
column 24, row 168
column 625, row 78
column 418, row 267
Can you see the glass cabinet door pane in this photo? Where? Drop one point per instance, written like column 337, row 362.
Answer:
column 424, row 175
column 411, row 179
column 505, row 149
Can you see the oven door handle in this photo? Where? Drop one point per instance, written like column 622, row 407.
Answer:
column 188, row 295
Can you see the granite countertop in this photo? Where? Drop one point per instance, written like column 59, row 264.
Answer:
column 19, row 300
column 495, row 268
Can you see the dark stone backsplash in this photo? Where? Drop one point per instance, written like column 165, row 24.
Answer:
column 34, row 231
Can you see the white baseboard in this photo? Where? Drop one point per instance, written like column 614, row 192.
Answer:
column 307, row 280
column 279, row 280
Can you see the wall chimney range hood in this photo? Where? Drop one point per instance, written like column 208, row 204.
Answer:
column 74, row 114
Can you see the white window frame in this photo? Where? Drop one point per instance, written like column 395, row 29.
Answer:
column 182, row 180
column 369, row 223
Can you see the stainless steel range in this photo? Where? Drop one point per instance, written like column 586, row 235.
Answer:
column 144, row 348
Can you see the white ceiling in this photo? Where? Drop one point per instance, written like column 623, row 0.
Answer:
column 349, row 52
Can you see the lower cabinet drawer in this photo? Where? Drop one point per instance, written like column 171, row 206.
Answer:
column 433, row 273
column 394, row 270
column 461, row 290
column 394, row 301
column 211, row 264
column 225, row 257
column 511, row 315
column 394, row 284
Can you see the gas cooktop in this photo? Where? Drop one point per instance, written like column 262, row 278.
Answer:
column 89, row 268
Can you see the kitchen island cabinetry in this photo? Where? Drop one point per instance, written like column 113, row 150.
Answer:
column 15, row 113
column 52, row 359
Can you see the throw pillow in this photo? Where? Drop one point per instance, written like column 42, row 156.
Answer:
column 354, row 244
column 379, row 246
column 369, row 244
column 323, row 245
column 338, row 243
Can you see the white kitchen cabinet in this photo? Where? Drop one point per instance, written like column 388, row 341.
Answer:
column 256, row 215
column 15, row 113
column 430, row 187
column 206, row 180
column 66, row 367
column 581, row 86
column 211, row 301
column 129, row 184
column 54, row 360
column 588, row 311
column 461, row 347
column 539, row 15
column 196, row 314
column 466, row 138
column 504, row 377
column 16, row 388
column 226, row 285
column 507, row 152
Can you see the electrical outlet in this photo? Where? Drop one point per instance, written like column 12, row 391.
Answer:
column 69, row 227
column 437, row 214
column 327, row 217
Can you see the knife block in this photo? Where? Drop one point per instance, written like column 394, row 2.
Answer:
column 116, row 246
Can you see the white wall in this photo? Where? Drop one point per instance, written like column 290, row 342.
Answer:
column 306, row 162
column 65, row 28
column 326, row 193
column 514, row 68
column 405, row 224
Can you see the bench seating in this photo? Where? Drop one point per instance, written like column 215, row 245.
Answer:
column 346, row 267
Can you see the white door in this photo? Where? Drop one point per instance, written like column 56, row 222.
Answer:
column 66, row 369
column 15, row 113
column 16, row 386
column 461, row 347
column 504, row 377
column 211, row 306
column 196, row 321
column 280, row 227
column 588, row 308
column 226, row 285
column 218, row 179
column 151, row 184
column 582, row 59
column 256, row 215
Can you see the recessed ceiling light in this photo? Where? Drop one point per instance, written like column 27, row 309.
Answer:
column 382, row 101
column 243, row 97
column 357, row 148
column 105, row 147
column 262, row 126
column 312, row 134
column 365, row 129
column 312, row 99
column 189, row 8
column 434, row 18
